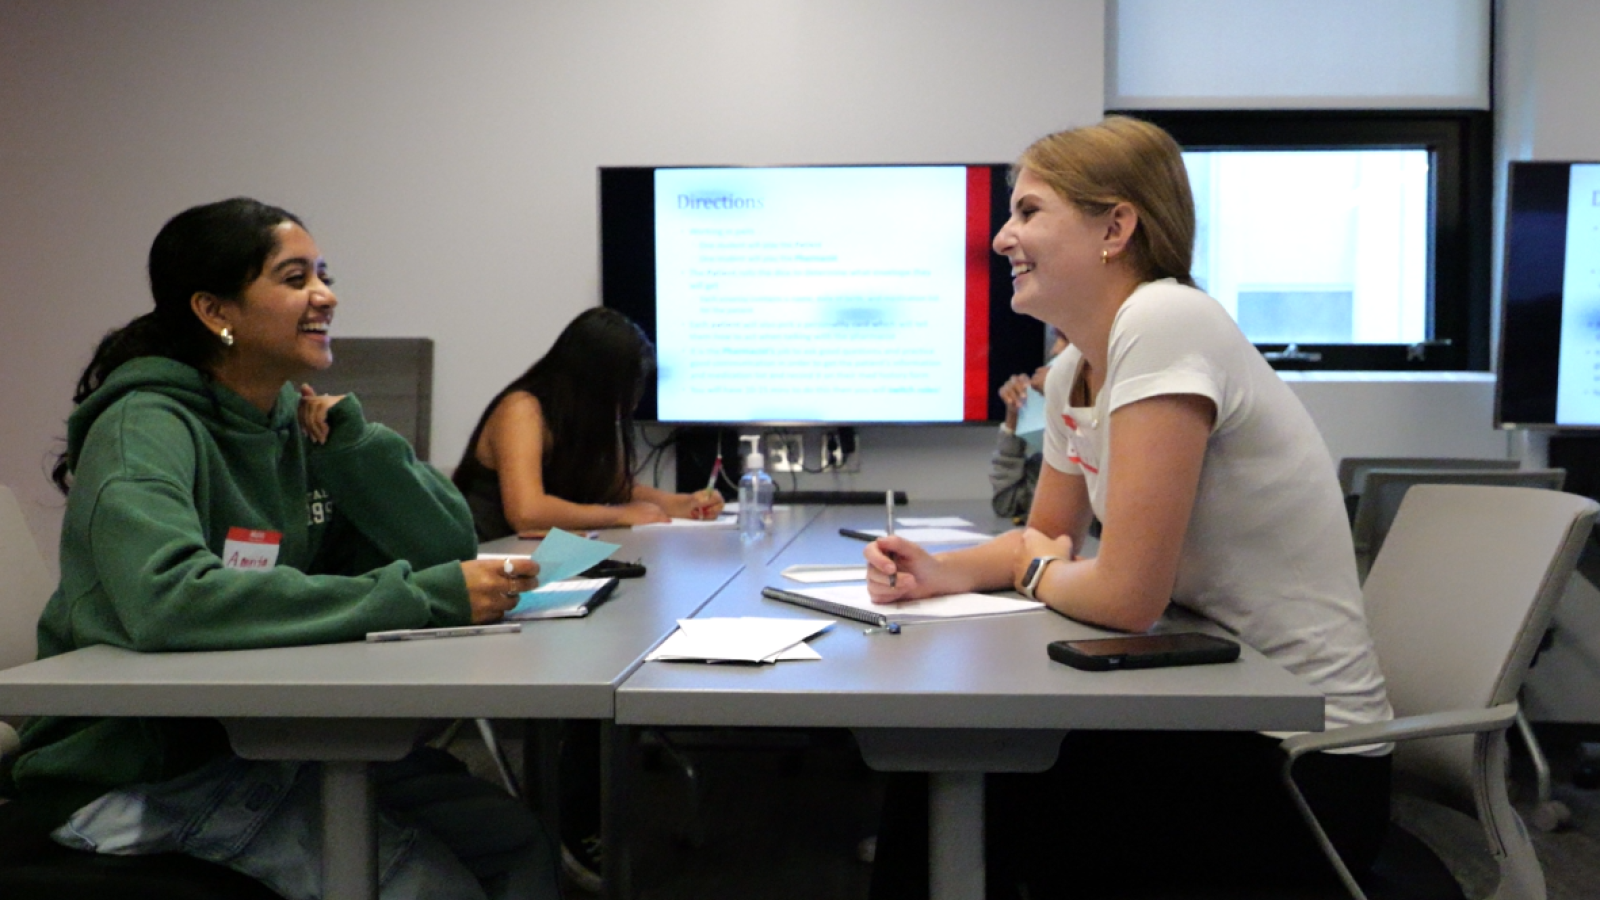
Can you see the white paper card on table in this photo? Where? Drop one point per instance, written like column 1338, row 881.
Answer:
column 747, row 639
column 933, row 522
column 950, row 606
column 824, row 573
column 934, row 535
column 718, row 522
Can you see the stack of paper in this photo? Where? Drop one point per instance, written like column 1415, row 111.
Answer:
column 747, row 639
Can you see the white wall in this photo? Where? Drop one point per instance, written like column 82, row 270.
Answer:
column 445, row 159
column 444, row 156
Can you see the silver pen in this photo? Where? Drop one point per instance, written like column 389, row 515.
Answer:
column 418, row 634
column 888, row 526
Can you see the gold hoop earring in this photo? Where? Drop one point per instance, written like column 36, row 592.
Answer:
column 227, row 336
column 1105, row 257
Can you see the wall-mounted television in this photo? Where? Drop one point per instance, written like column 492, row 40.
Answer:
column 1549, row 366
column 816, row 295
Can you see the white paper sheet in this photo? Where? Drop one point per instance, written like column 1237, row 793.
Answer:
column 822, row 574
column 934, row 535
column 950, row 606
column 747, row 639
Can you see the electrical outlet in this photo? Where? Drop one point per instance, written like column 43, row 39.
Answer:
column 786, row 453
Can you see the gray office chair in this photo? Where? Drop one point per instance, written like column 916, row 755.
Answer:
column 1383, row 489
column 1380, row 499
column 1457, row 601
column 31, row 865
column 1353, row 469
column 25, row 585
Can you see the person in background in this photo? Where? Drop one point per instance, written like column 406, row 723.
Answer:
column 1216, row 493
column 554, row 449
column 1013, row 471
column 214, row 505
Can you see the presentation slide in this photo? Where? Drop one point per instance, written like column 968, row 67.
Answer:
column 811, row 294
column 1578, row 383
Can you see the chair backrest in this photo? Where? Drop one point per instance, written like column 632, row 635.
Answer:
column 394, row 379
column 1385, row 488
column 1458, row 599
column 24, row 588
column 24, row 584
column 1353, row 469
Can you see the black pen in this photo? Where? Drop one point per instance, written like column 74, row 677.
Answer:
column 867, row 536
column 841, row 610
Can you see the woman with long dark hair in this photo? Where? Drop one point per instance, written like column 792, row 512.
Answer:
column 214, row 505
column 555, row 447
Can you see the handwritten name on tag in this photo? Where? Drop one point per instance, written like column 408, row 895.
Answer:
column 250, row 548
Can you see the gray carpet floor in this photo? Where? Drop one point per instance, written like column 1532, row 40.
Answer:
column 784, row 819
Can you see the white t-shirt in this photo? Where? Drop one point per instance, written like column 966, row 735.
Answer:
column 1268, row 552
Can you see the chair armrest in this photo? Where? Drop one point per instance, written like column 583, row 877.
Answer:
column 1403, row 729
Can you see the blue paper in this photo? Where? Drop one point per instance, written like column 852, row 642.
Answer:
column 1030, row 421
column 561, row 555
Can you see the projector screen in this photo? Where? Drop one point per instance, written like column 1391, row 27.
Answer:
column 1550, row 326
column 816, row 294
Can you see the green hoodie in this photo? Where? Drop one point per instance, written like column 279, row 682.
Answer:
column 165, row 463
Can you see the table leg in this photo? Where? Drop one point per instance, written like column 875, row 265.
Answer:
column 349, row 833
column 955, row 836
column 344, row 747
column 616, row 742
column 956, row 760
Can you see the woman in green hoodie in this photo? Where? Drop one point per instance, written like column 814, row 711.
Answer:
column 213, row 504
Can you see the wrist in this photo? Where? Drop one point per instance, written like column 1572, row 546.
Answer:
column 1033, row 576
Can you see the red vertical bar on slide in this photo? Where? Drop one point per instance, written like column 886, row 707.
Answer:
column 976, row 407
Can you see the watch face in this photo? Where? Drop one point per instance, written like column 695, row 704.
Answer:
column 1033, row 570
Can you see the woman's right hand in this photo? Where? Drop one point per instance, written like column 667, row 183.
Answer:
column 641, row 512
column 1014, row 393
column 493, row 591
column 898, row 569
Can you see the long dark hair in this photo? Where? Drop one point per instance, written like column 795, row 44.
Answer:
column 587, row 386
column 217, row 248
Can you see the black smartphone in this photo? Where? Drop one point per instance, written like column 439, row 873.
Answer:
column 614, row 568
column 1144, row 651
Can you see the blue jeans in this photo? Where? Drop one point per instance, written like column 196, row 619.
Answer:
column 442, row 833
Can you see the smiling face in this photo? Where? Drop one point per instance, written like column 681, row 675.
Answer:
column 1054, row 249
column 280, row 321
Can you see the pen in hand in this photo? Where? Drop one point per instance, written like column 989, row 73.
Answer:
column 509, row 571
column 888, row 528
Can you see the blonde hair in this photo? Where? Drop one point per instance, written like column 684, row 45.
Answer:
column 1125, row 160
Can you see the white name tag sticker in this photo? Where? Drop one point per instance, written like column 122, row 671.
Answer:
column 250, row 548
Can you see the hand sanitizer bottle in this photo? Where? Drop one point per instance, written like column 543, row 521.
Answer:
column 755, row 499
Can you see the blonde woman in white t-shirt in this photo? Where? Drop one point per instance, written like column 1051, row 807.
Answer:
column 1214, row 492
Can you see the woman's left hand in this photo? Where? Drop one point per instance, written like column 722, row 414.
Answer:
column 1035, row 544
column 313, row 413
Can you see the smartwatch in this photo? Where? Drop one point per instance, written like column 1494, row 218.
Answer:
column 1035, row 574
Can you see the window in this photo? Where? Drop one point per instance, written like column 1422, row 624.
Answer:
column 1345, row 239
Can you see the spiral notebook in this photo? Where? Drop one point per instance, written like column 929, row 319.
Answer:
column 570, row 599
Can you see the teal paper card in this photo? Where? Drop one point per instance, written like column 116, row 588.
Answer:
column 561, row 555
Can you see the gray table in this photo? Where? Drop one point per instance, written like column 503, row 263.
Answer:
column 351, row 704
column 955, row 699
